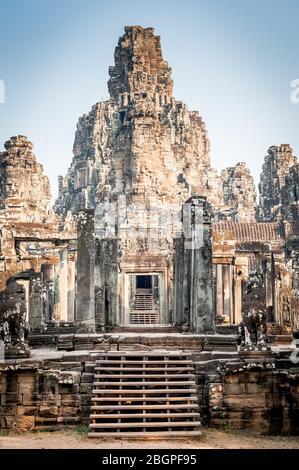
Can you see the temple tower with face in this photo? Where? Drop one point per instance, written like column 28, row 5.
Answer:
column 138, row 157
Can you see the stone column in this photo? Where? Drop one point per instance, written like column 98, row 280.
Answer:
column 71, row 270
column 241, row 273
column 226, row 291
column 35, row 302
column 48, row 286
column 270, row 289
column 193, row 269
column 238, row 297
column 85, row 315
column 219, row 291
column 181, row 287
column 199, row 243
column 62, row 284
column 106, row 284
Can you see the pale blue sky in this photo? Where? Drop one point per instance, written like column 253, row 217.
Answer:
column 232, row 60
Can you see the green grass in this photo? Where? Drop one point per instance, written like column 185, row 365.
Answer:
column 82, row 429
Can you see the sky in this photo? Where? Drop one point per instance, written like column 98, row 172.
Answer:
column 232, row 60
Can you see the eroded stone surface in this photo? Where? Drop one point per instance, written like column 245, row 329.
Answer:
column 278, row 186
column 239, row 194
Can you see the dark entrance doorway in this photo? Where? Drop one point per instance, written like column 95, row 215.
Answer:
column 143, row 282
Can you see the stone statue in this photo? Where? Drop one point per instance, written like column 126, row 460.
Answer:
column 286, row 309
column 253, row 329
column 13, row 328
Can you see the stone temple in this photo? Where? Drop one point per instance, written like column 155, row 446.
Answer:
column 150, row 258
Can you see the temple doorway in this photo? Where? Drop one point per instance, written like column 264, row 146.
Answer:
column 143, row 282
column 144, row 299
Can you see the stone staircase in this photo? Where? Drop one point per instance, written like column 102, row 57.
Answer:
column 143, row 310
column 144, row 395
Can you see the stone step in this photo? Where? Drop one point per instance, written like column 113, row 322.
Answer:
column 145, row 391
column 142, row 402
column 144, row 415
column 120, row 383
column 145, row 435
column 145, row 425
column 142, row 376
column 144, row 407
column 130, row 362
column 146, row 369
column 145, row 399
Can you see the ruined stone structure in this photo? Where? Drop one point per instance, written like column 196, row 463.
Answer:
column 35, row 244
column 142, row 153
column 138, row 158
column 14, row 330
column 279, row 185
column 140, row 141
column 146, row 237
column 239, row 195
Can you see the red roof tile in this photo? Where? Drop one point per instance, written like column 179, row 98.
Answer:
column 250, row 232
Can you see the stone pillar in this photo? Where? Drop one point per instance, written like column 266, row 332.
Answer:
column 202, row 308
column 194, row 282
column 219, row 291
column 85, row 315
column 48, row 276
column 35, row 302
column 241, row 273
column 181, row 288
column 106, row 284
column 26, row 284
column 71, row 287
column 226, row 291
column 238, row 297
column 62, row 284
column 270, row 288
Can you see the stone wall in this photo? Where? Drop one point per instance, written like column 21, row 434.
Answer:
column 258, row 395
column 255, row 398
column 278, row 186
column 44, row 395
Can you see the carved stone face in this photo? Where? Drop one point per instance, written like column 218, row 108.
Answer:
column 14, row 291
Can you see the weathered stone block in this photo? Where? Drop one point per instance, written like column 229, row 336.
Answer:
column 254, row 388
column 13, row 398
column 87, row 378
column 69, row 410
column 70, row 400
column 86, row 388
column 25, row 423
column 89, row 367
column 26, row 410
column 234, row 389
column 69, row 377
column 233, row 378
column 245, row 401
column 48, row 410
column 51, row 400
column 32, row 399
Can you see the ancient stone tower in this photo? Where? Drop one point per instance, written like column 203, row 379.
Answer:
column 140, row 141
column 279, row 199
column 137, row 158
column 24, row 189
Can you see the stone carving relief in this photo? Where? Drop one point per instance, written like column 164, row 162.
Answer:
column 14, row 330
